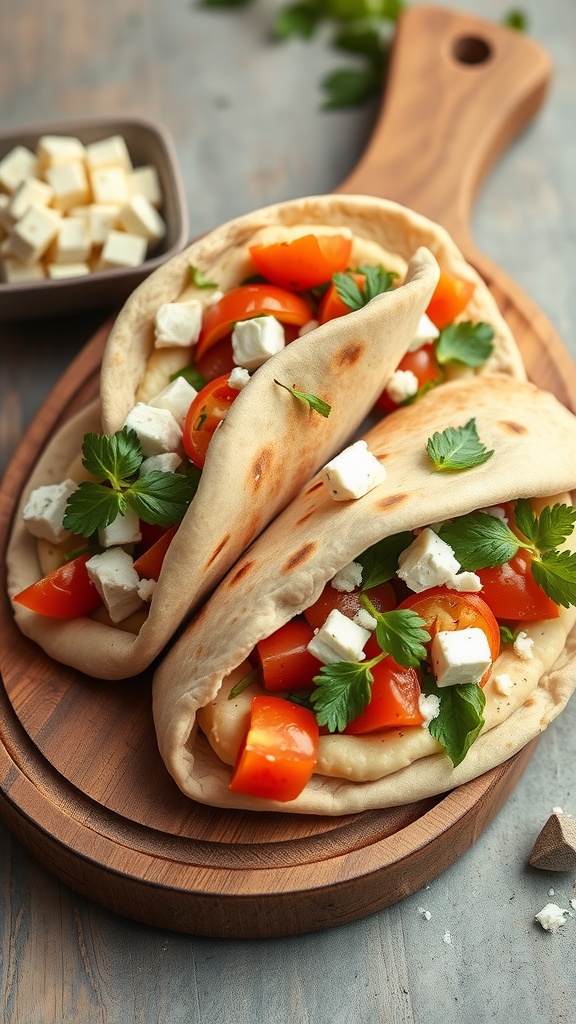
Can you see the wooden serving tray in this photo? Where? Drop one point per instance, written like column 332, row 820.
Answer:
column 82, row 785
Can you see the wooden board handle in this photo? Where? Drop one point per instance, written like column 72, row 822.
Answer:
column 459, row 89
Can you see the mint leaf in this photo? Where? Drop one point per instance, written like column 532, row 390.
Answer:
column 465, row 343
column 480, row 540
column 457, row 448
column 92, row 507
column 380, row 562
column 555, row 572
column 550, row 529
column 113, row 458
column 342, row 692
column 318, row 404
column 460, row 719
column 160, row 498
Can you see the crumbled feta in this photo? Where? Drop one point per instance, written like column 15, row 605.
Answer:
column 469, row 582
column 146, row 589
column 347, row 579
column 124, row 529
column 429, row 707
column 177, row 397
column 44, row 511
column 157, row 429
column 503, row 684
column 352, row 473
column 426, row 332
column 239, row 378
column 168, row 462
column 551, row 917
column 255, row 341
column 364, row 619
column 523, row 645
column 402, row 384
column 116, row 580
column 460, row 656
column 427, row 562
column 306, row 328
column 339, row 639
column 496, row 511
column 424, row 913
column 178, row 323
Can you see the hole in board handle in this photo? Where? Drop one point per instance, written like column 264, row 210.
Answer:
column 471, row 50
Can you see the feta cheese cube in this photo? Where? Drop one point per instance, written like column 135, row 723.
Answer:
column 146, row 589
column 33, row 233
column 403, row 384
column 255, row 341
column 62, row 271
column 123, row 250
column 124, row 529
column 339, row 639
column 13, row 270
column 347, row 579
column 31, row 192
column 177, row 397
column 363, row 618
column 139, row 217
column 70, row 184
column 352, row 473
column 55, row 150
column 426, row 332
column 102, row 219
column 427, row 562
column 178, row 323
column 109, row 185
column 157, row 429
column 20, row 163
column 116, row 580
column 110, row 152
column 239, row 378
column 145, row 181
column 44, row 511
column 168, row 462
column 469, row 582
column 73, row 243
column 523, row 645
column 460, row 656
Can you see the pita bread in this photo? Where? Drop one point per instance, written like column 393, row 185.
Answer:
column 269, row 444
column 286, row 569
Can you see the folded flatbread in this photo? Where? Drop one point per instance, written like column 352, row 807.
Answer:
column 269, row 444
column 285, row 570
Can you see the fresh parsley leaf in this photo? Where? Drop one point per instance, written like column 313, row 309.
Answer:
column 350, row 87
column 555, row 572
column 160, row 498
column 113, row 458
column 342, row 692
column 92, row 507
column 550, row 529
column 363, row 38
column 318, row 404
column 480, row 540
column 457, row 448
column 460, row 719
column 401, row 633
column 302, row 698
column 377, row 281
column 200, row 280
column 380, row 562
column 507, row 635
column 192, row 374
column 297, row 20
column 465, row 343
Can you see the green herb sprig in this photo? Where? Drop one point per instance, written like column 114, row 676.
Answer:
column 467, row 344
column 457, row 448
column 315, row 403
column 377, row 281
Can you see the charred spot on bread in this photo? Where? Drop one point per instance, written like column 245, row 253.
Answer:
column 300, row 556
column 511, row 427
column 391, row 501
column 218, row 549
column 240, row 573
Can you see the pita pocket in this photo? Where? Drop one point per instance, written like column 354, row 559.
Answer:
column 285, row 571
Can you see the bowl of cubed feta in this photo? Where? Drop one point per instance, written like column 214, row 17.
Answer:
column 87, row 210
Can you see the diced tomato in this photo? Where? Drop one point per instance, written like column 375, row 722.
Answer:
column 450, row 298
column 217, row 360
column 393, row 700
column 382, row 597
column 150, row 533
column 244, row 303
column 279, row 752
column 512, row 592
column 304, row 262
column 285, row 661
column 423, row 365
column 149, row 563
column 206, row 411
column 443, row 609
column 66, row 593
column 331, row 306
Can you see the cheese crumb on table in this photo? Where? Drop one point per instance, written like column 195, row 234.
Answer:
column 551, row 917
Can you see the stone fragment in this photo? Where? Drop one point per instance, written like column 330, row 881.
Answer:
column 555, row 847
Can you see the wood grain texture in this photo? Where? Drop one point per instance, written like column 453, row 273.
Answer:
column 74, row 794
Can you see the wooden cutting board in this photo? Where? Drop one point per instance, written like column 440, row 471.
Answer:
column 82, row 785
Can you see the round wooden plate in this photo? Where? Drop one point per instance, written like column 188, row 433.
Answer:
column 82, row 785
